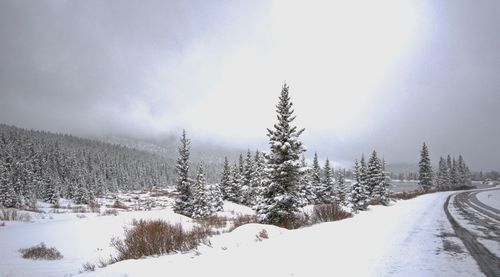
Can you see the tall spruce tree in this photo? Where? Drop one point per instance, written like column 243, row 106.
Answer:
column 373, row 174
column 376, row 180
column 234, row 193
column 225, row 182
column 363, row 174
column 321, row 191
column 280, row 200
column 454, row 174
column 442, row 181
column 358, row 195
column 341, row 189
column 333, row 193
column 425, row 169
column 305, row 190
column 183, row 202
column 461, row 171
column 207, row 199
column 247, row 189
column 200, row 202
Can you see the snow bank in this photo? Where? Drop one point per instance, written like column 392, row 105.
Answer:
column 490, row 198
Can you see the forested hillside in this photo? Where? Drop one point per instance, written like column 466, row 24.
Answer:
column 42, row 165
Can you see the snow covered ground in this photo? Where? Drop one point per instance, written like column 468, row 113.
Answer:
column 406, row 239
column 409, row 238
column 81, row 237
column 490, row 198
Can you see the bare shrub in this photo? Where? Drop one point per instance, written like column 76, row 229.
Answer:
column 109, row 212
column 2, row 224
column 328, row 212
column 156, row 237
column 56, row 205
column 40, row 252
column 80, row 216
column 242, row 220
column 296, row 221
column 213, row 221
column 87, row 267
column 94, row 207
column 14, row 215
column 119, row 205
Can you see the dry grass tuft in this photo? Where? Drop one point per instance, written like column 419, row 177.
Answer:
column 40, row 252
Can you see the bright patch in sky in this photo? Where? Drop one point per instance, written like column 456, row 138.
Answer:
column 334, row 54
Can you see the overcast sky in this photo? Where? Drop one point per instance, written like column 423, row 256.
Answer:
column 363, row 75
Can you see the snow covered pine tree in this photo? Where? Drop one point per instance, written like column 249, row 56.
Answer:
column 425, row 169
column 280, row 200
column 358, row 195
column 183, row 202
column 225, row 181
column 207, row 199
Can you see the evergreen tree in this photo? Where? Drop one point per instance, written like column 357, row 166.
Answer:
column 376, row 180
column 358, row 195
column 234, row 193
column 305, row 192
column 183, row 202
column 363, row 174
column 341, row 190
column 442, row 181
column 449, row 173
column 316, row 173
column 225, row 183
column 461, row 171
column 200, row 202
column 258, row 177
column 372, row 174
column 241, row 166
column 247, row 189
column 215, row 201
column 280, row 199
column 454, row 174
column 425, row 169
column 81, row 195
column 50, row 194
column 321, row 191
column 331, row 192
column 207, row 199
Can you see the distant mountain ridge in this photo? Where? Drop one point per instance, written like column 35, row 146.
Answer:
column 168, row 148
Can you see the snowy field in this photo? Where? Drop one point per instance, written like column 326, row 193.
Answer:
column 405, row 239
column 82, row 237
column 490, row 198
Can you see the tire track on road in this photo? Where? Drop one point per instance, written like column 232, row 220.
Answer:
column 487, row 261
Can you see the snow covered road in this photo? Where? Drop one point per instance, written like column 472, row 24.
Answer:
column 411, row 238
column 477, row 225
